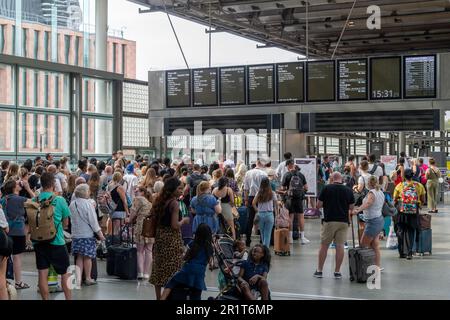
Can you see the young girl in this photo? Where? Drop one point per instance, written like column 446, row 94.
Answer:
column 240, row 253
column 192, row 274
column 139, row 211
column 265, row 203
column 253, row 275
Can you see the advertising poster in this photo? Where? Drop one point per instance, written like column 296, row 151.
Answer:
column 390, row 162
column 308, row 167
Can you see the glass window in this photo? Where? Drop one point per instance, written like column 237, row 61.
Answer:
column 123, row 58
column 13, row 51
column 7, row 85
column 99, row 136
column 36, row 45
column 135, row 98
column 114, row 59
column 46, row 51
column 98, row 96
column 24, row 42
column 52, row 133
column 77, row 50
column 2, row 38
column 7, row 134
column 56, row 89
column 36, row 89
column 66, row 48
column 135, row 132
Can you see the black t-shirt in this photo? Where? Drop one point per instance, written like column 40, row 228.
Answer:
column 286, row 180
column 336, row 199
column 33, row 181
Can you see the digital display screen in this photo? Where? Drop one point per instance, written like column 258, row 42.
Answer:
column 385, row 78
column 321, row 81
column 261, row 84
column 352, row 79
column 290, row 82
column 204, row 87
column 178, row 86
column 232, row 86
column 420, row 77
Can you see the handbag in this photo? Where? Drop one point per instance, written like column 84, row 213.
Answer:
column 392, row 241
column 6, row 244
column 257, row 218
column 388, row 209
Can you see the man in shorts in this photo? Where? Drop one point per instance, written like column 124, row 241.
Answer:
column 54, row 253
column 337, row 201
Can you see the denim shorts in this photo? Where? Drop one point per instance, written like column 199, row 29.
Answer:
column 374, row 226
column 118, row 215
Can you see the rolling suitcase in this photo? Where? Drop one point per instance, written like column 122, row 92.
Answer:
column 281, row 242
column 122, row 260
column 359, row 260
column 425, row 242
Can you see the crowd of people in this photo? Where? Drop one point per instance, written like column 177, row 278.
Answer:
column 180, row 195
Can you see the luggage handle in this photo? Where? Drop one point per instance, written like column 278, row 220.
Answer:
column 353, row 232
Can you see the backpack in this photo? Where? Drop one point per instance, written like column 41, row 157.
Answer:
column 410, row 199
column 194, row 181
column 105, row 203
column 41, row 219
column 296, row 187
column 374, row 169
column 416, row 176
column 349, row 181
column 423, row 176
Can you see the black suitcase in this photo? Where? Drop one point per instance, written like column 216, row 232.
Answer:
column 121, row 260
column 94, row 273
column 359, row 260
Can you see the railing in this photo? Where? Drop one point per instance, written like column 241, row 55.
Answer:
column 82, row 27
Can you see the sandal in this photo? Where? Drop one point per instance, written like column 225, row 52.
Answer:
column 21, row 285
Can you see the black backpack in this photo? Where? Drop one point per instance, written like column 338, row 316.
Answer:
column 296, row 190
column 194, row 181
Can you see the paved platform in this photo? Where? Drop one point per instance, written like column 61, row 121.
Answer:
column 291, row 277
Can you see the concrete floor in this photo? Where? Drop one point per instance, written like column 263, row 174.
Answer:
column 291, row 277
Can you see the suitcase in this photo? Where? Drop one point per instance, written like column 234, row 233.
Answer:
column 359, row 259
column 125, row 262
column 295, row 224
column 281, row 242
column 243, row 219
column 425, row 221
column 425, row 242
column 9, row 269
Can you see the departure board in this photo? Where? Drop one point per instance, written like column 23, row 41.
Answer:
column 420, row 76
column 232, row 86
column 204, row 87
column 290, row 82
column 385, row 78
column 261, row 84
column 178, row 88
column 352, row 79
column 320, row 81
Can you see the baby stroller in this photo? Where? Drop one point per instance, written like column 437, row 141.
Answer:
column 228, row 279
column 225, row 228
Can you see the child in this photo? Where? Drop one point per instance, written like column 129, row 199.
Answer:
column 192, row 274
column 240, row 253
column 253, row 274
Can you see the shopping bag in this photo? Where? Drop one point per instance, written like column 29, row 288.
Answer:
column 392, row 241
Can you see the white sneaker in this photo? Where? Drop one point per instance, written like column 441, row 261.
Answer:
column 305, row 241
column 146, row 276
column 140, row 276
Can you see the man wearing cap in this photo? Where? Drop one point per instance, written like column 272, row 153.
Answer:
column 407, row 223
column 131, row 180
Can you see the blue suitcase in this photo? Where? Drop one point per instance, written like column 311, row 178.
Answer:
column 425, row 242
column 243, row 219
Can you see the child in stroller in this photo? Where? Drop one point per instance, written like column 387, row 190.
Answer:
column 232, row 284
column 190, row 280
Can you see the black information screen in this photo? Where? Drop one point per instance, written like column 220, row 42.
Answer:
column 232, row 85
column 352, row 77
column 321, row 81
column 178, row 87
column 385, row 78
column 205, row 87
column 420, row 77
column 261, row 84
column 290, row 82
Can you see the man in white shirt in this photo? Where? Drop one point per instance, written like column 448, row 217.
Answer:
column 61, row 176
column 229, row 162
column 282, row 169
column 374, row 169
column 252, row 182
column 131, row 180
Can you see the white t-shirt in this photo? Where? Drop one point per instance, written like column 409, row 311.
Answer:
column 3, row 221
column 132, row 181
column 364, row 179
column 378, row 172
column 281, row 170
column 58, row 187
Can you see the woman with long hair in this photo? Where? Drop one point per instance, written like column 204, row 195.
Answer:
column 13, row 171
column 265, row 204
column 94, row 188
column 229, row 173
column 168, row 247
column 226, row 196
column 433, row 174
column 119, row 197
column 150, row 179
column 240, row 175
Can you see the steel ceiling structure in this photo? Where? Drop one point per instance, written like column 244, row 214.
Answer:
column 406, row 25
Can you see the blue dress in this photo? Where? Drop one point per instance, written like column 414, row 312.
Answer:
column 204, row 212
column 192, row 274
